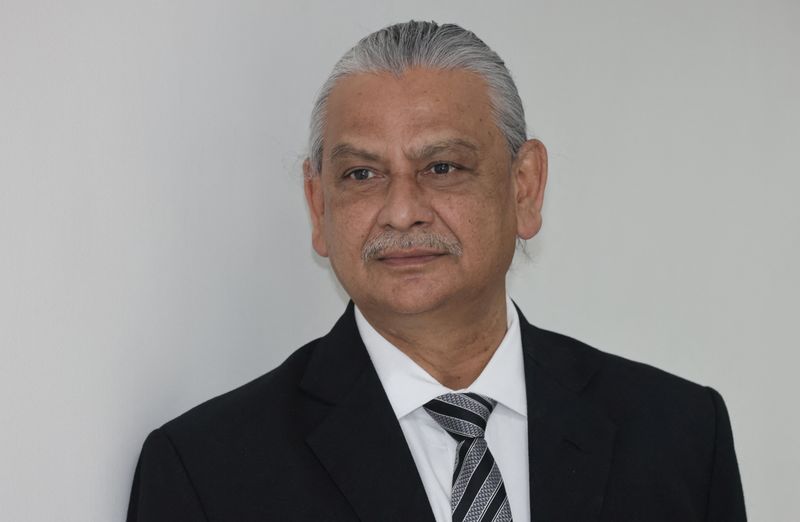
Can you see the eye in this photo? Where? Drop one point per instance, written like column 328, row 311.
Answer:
column 360, row 174
column 442, row 168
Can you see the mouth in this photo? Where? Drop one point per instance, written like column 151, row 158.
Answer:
column 410, row 257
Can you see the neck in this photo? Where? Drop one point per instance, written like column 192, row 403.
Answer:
column 452, row 343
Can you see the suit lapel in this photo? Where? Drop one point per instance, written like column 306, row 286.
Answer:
column 361, row 445
column 570, row 441
column 360, row 442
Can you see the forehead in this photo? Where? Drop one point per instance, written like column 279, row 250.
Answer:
column 381, row 110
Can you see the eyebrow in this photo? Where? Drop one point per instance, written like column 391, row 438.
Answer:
column 346, row 149
column 432, row 149
column 426, row 151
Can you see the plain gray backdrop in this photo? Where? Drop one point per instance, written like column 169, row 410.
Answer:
column 154, row 243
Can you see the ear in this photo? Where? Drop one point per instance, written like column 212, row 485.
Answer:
column 312, row 185
column 530, row 176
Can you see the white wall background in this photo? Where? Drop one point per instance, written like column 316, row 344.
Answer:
column 154, row 245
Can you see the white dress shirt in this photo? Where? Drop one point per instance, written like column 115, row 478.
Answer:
column 409, row 387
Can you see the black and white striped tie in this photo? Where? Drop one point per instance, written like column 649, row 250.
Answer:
column 478, row 493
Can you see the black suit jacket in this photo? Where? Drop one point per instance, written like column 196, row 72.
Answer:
column 316, row 440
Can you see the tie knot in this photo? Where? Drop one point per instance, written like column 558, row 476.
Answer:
column 462, row 415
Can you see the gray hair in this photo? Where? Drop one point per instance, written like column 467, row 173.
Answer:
column 400, row 47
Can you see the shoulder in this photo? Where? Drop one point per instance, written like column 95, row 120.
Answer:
column 624, row 388
column 672, row 437
column 280, row 407
column 247, row 410
column 223, row 454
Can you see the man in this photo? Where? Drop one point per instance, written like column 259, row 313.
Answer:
column 433, row 398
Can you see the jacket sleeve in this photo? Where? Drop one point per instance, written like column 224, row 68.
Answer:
column 725, row 497
column 162, row 490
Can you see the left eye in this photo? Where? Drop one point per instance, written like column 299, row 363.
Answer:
column 442, row 168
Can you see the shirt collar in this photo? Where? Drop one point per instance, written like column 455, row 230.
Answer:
column 408, row 386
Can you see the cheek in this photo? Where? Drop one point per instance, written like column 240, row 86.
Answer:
column 486, row 227
column 347, row 228
column 481, row 217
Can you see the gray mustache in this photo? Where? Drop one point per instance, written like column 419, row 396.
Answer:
column 377, row 246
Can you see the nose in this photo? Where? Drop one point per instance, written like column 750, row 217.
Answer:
column 406, row 204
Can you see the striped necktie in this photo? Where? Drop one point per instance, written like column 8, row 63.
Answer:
column 478, row 493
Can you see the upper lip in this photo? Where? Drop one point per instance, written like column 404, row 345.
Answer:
column 416, row 252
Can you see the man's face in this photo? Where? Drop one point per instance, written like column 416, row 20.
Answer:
column 419, row 203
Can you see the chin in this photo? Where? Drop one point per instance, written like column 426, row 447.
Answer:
column 409, row 308
column 409, row 302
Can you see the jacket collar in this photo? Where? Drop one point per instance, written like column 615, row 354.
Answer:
column 361, row 445
column 360, row 442
column 570, row 440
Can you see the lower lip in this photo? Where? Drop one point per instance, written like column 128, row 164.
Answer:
column 409, row 261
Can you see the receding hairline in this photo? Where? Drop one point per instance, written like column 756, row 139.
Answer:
column 447, row 139
column 401, row 47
